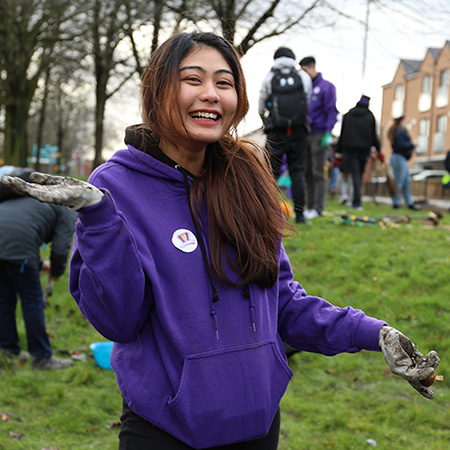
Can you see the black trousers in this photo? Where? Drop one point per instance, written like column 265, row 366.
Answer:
column 294, row 147
column 138, row 434
column 355, row 165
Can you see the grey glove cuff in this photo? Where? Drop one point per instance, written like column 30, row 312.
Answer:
column 95, row 197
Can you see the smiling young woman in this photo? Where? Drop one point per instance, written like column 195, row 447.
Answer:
column 202, row 75
column 178, row 260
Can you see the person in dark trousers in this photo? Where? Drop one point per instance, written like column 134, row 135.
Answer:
column 26, row 224
column 322, row 115
column 402, row 150
column 178, row 259
column 358, row 136
column 287, row 140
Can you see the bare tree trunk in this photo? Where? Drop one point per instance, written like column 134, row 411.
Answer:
column 15, row 140
column 60, row 132
column 99, row 121
column 157, row 17
column 41, row 122
column 15, row 144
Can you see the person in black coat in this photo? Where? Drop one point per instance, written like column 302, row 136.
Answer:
column 26, row 224
column 358, row 136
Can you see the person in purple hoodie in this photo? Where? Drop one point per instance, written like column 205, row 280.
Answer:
column 178, row 259
column 322, row 114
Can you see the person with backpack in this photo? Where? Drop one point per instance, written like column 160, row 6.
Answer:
column 283, row 107
column 322, row 115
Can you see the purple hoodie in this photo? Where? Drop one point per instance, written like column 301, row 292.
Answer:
column 322, row 110
column 210, row 373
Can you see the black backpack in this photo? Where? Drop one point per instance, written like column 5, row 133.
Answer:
column 288, row 104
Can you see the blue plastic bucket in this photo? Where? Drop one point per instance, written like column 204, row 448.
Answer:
column 102, row 353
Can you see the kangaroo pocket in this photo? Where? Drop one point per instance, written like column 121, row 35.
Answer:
column 227, row 396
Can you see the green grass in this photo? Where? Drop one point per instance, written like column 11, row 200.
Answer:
column 398, row 274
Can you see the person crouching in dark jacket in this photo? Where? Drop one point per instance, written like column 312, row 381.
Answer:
column 26, row 224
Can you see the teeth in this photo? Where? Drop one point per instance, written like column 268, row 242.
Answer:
column 204, row 115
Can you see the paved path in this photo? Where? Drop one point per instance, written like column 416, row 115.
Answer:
column 439, row 203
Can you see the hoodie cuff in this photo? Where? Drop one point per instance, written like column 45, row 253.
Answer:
column 100, row 214
column 367, row 334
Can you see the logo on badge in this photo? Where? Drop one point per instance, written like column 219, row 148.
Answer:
column 184, row 240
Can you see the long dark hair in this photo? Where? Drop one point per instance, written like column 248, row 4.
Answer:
column 393, row 127
column 244, row 218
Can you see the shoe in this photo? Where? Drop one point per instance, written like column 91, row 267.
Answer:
column 414, row 207
column 343, row 200
column 358, row 208
column 51, row 363
column 300, row 220
column 396, row 206
column 21, row 356
column 311, row 214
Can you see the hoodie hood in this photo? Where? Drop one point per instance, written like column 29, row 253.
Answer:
column 284, row 63
column 359, row 110
column 140, row 139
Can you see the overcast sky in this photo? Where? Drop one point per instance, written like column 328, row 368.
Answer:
column 397, row 30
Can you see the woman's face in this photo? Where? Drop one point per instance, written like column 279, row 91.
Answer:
column 207, row 98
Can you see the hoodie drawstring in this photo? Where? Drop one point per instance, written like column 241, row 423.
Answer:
column 215, row 296
column 252, row 306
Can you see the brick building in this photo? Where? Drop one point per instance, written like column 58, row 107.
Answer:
column 420, row 89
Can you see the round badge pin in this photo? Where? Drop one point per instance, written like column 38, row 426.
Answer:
column 184, row 240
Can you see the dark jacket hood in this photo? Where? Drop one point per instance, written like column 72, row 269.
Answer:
column 142, row 139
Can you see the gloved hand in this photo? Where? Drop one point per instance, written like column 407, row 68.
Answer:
column 405, row 360
column 326, row 140
column 337, row 160
column 65, row 191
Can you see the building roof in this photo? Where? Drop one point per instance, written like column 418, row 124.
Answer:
column 435, row 52
column 411, row 65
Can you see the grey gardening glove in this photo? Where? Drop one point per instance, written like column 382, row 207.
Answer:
column 65, row 191
column 405, row 360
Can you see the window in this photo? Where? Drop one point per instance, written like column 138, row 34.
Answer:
column 442, row 94
column 427, row 83
column 425, row 95
column 444, row 78
column 397, row 105
column 424, row 133
column 439, row 136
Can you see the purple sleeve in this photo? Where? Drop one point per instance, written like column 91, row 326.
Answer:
column 106, row 276
column 313, row 324
column 330, row 107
